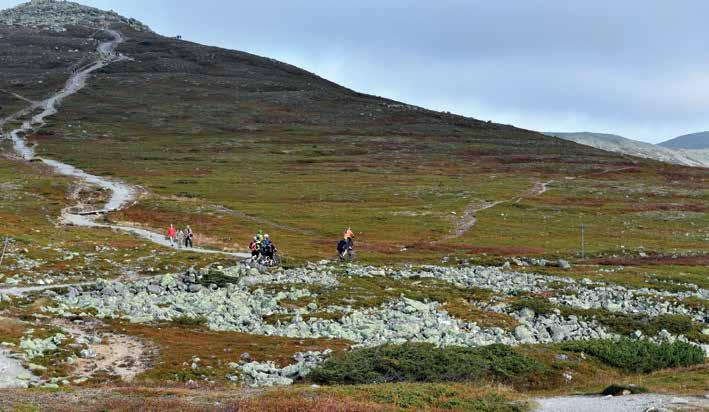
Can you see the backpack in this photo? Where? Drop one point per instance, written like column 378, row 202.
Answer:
column 266, row 246
column 341, row 245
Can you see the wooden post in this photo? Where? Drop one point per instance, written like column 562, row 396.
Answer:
column 583, row 245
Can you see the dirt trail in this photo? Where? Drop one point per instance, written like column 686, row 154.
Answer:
column 122, row 194
column 17, row 96
column 120, row 355
column 469, row 217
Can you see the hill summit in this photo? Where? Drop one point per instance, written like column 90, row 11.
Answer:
column 56, row 15
column 696, row 141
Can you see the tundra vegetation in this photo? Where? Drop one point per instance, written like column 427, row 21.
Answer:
column 466, row 231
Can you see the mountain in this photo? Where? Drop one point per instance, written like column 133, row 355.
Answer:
column 693, row 141
column 94, row 106
column 620, row 144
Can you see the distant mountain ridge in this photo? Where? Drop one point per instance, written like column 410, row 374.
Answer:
column 692, row 141
column 620, row 144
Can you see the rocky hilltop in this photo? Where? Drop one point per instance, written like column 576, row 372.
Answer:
column 56, row 15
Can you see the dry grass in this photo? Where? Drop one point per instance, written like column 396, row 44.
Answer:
column 486, row 319
column 11, row 330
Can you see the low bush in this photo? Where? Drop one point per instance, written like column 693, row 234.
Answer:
column 189, row 321
column 639, row 355
column 217, row 277
column 423, row 362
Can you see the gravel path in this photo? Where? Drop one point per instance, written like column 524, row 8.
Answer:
column 122, row 194
column 629, row 403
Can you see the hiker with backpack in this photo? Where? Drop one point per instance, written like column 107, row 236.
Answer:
column 188, row 237
column 255, row 247
column 267, row 247
column 180, row 238
column 342, row 248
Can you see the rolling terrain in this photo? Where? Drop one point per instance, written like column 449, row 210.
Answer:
column 687, row 156
column 467, row 236
column 693, row 141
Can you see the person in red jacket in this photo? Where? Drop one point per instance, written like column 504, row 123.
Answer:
column 172, row 235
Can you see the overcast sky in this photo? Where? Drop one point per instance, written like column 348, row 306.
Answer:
column 638, row 68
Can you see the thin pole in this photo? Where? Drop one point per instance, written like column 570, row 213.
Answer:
column 583, row 244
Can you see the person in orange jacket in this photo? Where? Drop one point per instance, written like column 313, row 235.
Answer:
column 349, row 237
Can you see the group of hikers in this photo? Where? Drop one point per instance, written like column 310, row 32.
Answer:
column 261, row 246
column 180, row 238
column 264, row 250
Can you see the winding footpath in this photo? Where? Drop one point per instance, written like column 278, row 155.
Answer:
column 12, row 373
column 122, row 194
column 469, row 216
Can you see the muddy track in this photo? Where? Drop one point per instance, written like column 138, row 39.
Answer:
column 122, row 194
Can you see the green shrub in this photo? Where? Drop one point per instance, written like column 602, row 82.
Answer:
column 423, row 362
column 639, row 355
column 617, row 389
column 189, row 321
column 217, row 277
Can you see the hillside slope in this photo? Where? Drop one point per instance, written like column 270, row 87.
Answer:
column 692, row 141
column 230, row 142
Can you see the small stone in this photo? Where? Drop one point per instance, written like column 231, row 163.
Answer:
column 87, row 353
column 524, row 334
